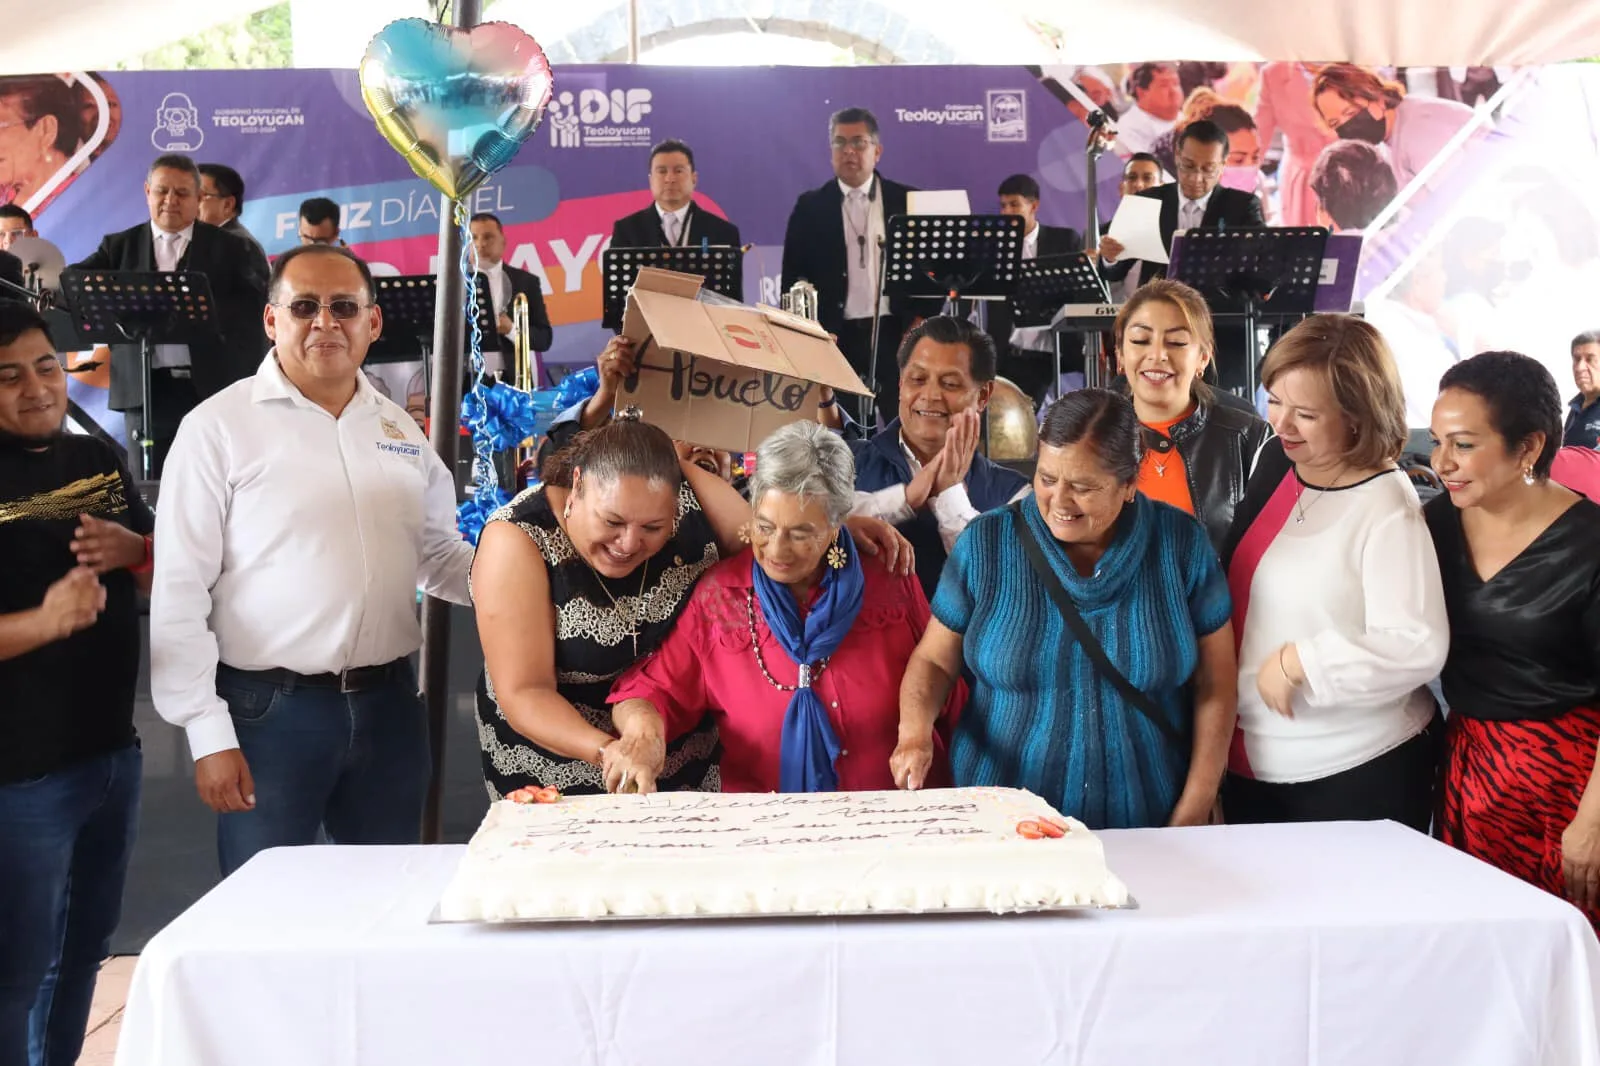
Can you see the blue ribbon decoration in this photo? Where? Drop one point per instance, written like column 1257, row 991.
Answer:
column 498, row 417
column 577, row 388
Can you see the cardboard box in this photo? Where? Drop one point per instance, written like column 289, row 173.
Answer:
column 724, row 376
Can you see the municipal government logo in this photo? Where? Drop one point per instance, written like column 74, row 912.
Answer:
column 1008, row 115
column 177, row 125
column 392, row 431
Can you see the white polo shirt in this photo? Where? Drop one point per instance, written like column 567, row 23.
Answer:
column 291, row 539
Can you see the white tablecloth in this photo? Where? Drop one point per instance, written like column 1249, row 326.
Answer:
column 1332, row 945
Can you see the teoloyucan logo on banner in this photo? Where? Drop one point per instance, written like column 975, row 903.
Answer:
column 177, row 125
column 598, row 117
column 1008, row 115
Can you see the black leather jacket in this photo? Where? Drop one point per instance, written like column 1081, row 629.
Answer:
column 1218, row 444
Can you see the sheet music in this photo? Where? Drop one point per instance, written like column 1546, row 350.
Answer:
column 1137, row 227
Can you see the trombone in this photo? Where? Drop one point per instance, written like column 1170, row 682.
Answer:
column 524, row 372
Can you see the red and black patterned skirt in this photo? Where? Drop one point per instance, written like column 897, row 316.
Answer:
column 1512, row 788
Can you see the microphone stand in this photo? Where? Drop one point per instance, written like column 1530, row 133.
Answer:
column 1099, row 126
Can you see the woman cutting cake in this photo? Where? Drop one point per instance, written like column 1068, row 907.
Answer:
column 792, row 647
column 1096, row 623
column 574, row 581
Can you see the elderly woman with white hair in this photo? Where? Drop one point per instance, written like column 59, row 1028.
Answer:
column 792, row 646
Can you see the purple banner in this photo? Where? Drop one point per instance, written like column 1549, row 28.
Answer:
column 1504, row 187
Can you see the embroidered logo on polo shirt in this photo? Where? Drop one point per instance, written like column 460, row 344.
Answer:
column 392, row 431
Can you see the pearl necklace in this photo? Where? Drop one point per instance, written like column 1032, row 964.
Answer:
column 806, row 676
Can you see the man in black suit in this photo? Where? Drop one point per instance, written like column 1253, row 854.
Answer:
column 832, row 241
column 1030, row 370
column 1195, row 201
column 675, row 219
column 176, row 240
column 221, row 200
column 505, row 284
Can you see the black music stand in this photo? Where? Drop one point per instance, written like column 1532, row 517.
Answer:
column 947, row 258
column 146, row 308
column 1049, row 283
column 721, row 265
column 408, row 303
column 1252, row 273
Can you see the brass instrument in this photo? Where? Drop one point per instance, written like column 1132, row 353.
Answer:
column 801, row 300
column 523, row 371
column 1013, row 435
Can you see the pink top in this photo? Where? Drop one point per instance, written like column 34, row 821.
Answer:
column 1579, row 470
column 1285, row 106
column 706, row 665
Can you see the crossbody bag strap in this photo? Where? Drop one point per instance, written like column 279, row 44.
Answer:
column 1085, row 636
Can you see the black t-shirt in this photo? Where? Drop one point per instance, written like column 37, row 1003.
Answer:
column 72, row 699
column 1526, row 643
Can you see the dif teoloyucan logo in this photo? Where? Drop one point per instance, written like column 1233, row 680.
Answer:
column 596, row 118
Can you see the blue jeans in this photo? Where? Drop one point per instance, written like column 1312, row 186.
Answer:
column 352, row 765
column 65, row 839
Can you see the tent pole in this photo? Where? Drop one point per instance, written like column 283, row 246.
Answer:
column 444, row 414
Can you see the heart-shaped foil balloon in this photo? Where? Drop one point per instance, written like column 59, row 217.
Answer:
column 457, row 104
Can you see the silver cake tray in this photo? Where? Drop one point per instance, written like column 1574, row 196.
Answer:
column 434, row 918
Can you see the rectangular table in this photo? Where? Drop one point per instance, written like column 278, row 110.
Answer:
column 1344, row 944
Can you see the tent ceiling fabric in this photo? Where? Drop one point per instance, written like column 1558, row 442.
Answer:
column 95, row 34
column 1399, row 33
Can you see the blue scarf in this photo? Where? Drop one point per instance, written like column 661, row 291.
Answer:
column 805, row 761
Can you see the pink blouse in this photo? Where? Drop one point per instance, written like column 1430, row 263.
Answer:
column 706, row 666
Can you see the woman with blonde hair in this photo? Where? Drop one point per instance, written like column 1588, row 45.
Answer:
column 1337, row 600
column 1198, row 445
column 1357, row 105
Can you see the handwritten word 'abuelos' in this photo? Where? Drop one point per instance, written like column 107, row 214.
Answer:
column 700, row 379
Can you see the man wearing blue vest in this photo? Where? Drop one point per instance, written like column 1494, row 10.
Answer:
column 922, row 472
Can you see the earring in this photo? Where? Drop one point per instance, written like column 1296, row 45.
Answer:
column 836, row 557
column 744, row 534
column 1527, row 476
column 566, row 511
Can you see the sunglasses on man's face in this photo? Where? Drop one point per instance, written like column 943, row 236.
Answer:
column 305, row 310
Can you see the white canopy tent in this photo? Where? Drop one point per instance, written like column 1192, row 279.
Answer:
column 95, row 34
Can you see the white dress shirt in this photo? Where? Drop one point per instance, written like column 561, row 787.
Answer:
column 500, row 297
column 1191, row 212
column 1030, row 243
column 863, row 217
column 952, row 508
column 169, row 249
column 675, row 224
column 293, row 540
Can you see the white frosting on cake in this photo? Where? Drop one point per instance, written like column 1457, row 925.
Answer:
column 683, row 853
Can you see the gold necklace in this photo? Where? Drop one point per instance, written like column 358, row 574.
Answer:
column 629, row 618
column 1300, row 511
